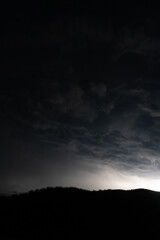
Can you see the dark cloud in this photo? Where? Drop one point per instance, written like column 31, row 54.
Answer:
column 79, row 95
column 144, row 122
column 98, row 89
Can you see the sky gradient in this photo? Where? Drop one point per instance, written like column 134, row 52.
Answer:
column 80, row 96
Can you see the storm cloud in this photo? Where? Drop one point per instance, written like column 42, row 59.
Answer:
column 79, row 98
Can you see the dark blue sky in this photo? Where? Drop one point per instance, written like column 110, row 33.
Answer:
column 80, row 96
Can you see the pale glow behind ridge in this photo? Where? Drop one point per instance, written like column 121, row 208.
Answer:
column 110, row 178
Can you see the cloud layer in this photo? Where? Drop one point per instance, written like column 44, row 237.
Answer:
column 79, row 100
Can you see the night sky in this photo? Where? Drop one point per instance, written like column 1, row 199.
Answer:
column 80, row 96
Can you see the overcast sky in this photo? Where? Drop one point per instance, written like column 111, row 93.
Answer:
column 80, row 96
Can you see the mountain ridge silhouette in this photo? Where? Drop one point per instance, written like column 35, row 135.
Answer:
column 73, row 213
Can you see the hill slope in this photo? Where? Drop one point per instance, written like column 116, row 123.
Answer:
column 70, row 213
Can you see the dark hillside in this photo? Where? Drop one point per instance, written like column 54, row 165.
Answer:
column 70, row 213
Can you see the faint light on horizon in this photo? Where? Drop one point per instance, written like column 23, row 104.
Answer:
column 111, row 178
column 125, row 180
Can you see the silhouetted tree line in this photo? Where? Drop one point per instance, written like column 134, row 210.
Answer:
column 72, row 213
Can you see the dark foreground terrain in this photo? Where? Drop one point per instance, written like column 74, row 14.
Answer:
column 70, row 213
